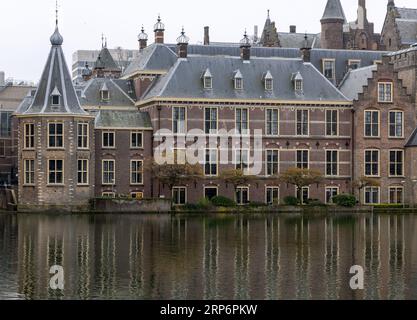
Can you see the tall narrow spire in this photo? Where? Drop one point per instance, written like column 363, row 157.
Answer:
column 334, row 10
column 56, row 39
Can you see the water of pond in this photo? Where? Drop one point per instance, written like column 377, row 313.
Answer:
column 216, row 257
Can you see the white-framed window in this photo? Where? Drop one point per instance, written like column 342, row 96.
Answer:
column 396, row 124
column 332, row 163
column 179, row 196
column 331, row 192
column 105, row 95
column 179, row 120
column 238, row 83
column 305, row 194
column 55, row 100
column 108, row 139
column 272, row 195
column 385, row 92
column 208, row 82
column 55, row 135
column 108, row 194
column 136, row 139
column 82, row 170
column 272, row 122
column 302, row 159
column 302, row 120
column 371, row 123
column 329, row 69
column 298, row 85
column 272, row 162
column 136, row 172
column 210, row 120
column 269, row 84
column 396, row 163
column 354, row 64
column 332, row 123
column 55, row 171
column 242, row 120
column 372, row 163
column 241, row 159
column 210, row 164
column 29, row 133
column 82, row 135
column 242, row 195
column 372, row 195
column 396, row 195
column 108, row 172
column 29, row 169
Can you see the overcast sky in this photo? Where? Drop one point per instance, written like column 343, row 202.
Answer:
column 26, row 25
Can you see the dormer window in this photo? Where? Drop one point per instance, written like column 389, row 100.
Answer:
column 298, row 82
column 105, row 94
column 55, row 97
column 298, row 85
column 238, row 79
column 269, row 81
column 207, row 79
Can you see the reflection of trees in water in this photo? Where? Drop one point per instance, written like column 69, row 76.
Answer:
column 241, row 257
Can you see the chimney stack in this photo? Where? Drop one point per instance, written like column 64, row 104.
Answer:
column 293, row 29
column 245, row 46
column 206, row 36
column 159, row 29
column 306, row 50
column 143, row 39
column 182, row 45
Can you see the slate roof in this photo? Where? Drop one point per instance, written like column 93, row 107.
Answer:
column 334, row 10
column 342, row 57
column 121, row 92
column 123, row 119
column 355, row 80
column 297, row 40
column 55, row 76
column 184, row 80
column 105, row 60
column 155, row 57
column 407, row 25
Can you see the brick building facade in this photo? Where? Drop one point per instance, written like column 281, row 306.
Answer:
column 340, row 112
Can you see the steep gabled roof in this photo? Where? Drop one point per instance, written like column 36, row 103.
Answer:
column 55, row 78
column 156, row 57
column 184, row 80
column 354, row 81
column 121, row 93
column 334, row 10
column 105, row 60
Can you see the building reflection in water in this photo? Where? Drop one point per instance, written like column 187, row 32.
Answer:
column 230, row 257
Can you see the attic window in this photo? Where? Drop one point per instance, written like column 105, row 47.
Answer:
column 298, row 82
column 105, row 94
column 207, row 80
column 55, row 97
column 298, row 85
column 268, row 81
column 238, row 79
column 55, row 100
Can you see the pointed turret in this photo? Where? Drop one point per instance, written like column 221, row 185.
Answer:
column 334, row 10
column 270, row 36
column 332, row 25
column 105, row 66
column 56, row 93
